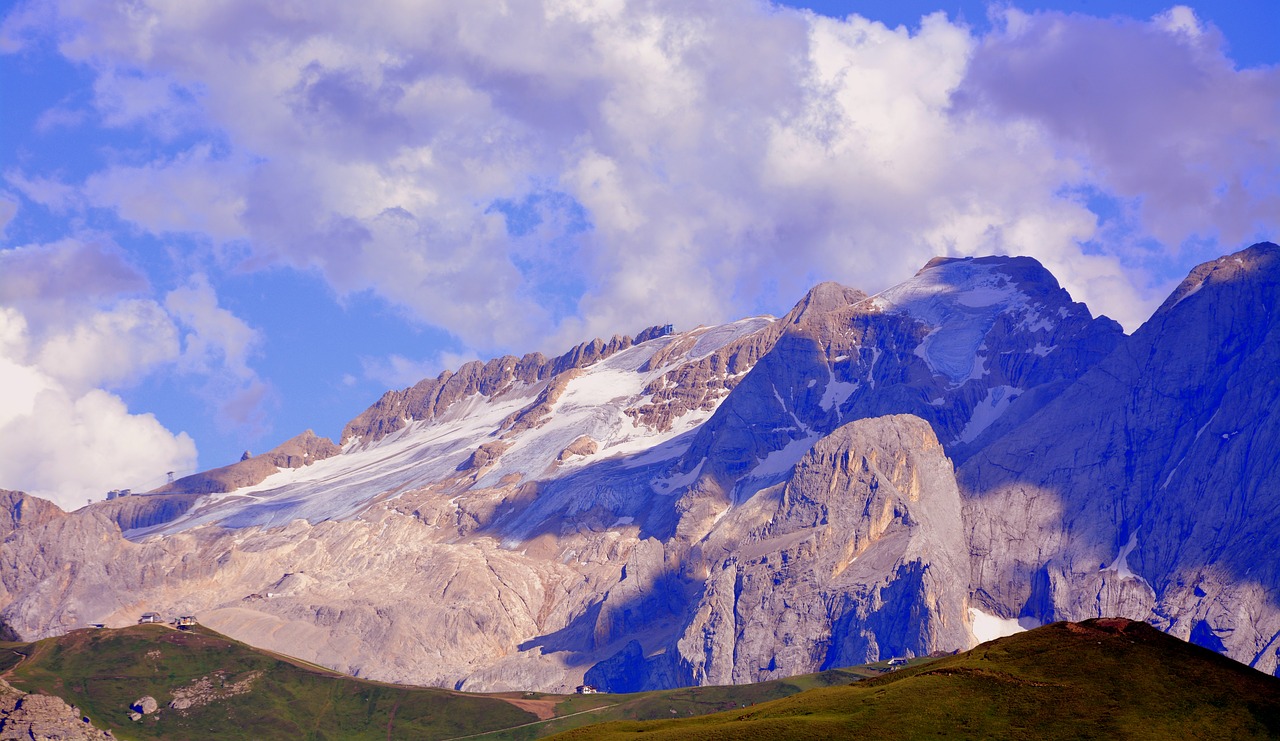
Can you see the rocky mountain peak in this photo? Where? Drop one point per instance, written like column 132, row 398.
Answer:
column 972, row 345
column 19, row 510
column 1148, row 487
column 946, row 289
column 822, row 299
column 1258, row 263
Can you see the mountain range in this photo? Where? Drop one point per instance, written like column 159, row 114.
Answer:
column 964, row 455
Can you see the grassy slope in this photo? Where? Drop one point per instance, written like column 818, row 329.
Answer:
column 104, row 671
column 678, row 703
column 1100, row 679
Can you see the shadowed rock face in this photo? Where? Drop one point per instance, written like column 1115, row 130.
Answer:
column 148, row 510
column 17, row 510
column 735, row 503
column 1151, row 487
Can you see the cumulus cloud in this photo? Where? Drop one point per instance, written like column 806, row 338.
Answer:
column 217, row 345
column 1154, row 110
column 92, row 321
column 717, row 158
column 112, row 347
column 191, row 192
column 77, row 301
column 77, row 320
column 215, row 337
column 69, row 446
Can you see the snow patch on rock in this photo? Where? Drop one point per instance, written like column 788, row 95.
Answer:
column 988, row 627
column 987, row 411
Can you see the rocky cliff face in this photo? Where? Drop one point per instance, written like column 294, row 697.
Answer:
column 734, row 503
column 859, row 556
column 1149, row 488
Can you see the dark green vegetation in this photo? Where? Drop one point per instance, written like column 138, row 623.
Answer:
column 104, row 671
column 1107, row 678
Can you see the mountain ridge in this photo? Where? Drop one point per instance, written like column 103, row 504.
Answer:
column 725, row 504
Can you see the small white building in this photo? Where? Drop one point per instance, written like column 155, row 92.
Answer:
column 150, row 617
column 586, row 689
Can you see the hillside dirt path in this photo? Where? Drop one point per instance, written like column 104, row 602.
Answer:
column 534, row 723
column 7, row 673
column 544, row 709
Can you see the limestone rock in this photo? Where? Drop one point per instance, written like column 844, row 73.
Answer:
column 296, row 452
column 1148, row 489
column 485, row 455
column 42, row 717
column 147, row 510
column 206, row 690
column 582, row 446
column 862, row 557
column 17, row 510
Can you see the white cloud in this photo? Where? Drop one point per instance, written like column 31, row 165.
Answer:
column 75, row 322
column 726, row 155
column 214, row 337
column 218, row 345
column 1180, row 19
column 1153, row 111
column 55, row 285
column 60, row 117
column 81, row 322
column 68, row 446
column 192, row 192
column 8, row 209
column 53, row 194
column 112, row 347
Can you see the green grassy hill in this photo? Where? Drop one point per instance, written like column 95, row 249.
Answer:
column 104, row 671
column 1098, row 679
column 244, row 692
column 1104, row 679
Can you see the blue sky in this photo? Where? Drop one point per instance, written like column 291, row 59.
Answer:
column 224, row 224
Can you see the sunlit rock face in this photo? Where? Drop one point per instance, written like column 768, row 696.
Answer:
column 734, row 503
column 1151, row 487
